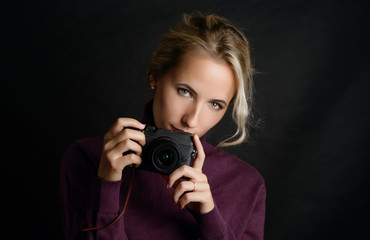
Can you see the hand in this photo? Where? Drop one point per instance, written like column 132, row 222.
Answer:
column 118, row 140
column 195, row 193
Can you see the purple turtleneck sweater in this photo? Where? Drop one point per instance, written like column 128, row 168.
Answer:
column 87, row 201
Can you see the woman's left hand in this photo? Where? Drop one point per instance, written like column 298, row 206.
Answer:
column 194, row 193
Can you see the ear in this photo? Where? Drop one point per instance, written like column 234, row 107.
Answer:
column 152, row 81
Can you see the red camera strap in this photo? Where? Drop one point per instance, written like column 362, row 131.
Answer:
column 120, row 215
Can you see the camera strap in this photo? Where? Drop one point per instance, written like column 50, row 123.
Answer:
column 123, row 210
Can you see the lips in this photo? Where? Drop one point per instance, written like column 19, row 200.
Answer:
column 177, row 129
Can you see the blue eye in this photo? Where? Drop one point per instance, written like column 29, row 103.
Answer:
column 215, row 105
column 184, row 92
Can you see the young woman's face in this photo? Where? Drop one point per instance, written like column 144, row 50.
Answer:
column 194, row 96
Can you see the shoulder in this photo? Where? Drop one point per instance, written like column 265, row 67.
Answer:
column 83, row 151
column 78, row 171
column 237, row 187
column 224, row 168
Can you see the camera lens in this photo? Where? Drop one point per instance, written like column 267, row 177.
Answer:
column 165, row 158
column 165, row 155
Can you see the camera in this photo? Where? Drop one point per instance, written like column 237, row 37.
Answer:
column 165, row 151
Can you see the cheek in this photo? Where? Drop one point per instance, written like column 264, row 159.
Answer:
column 209, row 119
column 168, row 100
column 169, row 106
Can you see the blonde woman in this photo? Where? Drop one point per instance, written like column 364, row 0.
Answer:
column 200, row 68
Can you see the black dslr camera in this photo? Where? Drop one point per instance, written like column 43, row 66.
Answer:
column 165, row 151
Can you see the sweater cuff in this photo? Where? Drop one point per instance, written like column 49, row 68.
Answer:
column 211, row 225
column 105, row 197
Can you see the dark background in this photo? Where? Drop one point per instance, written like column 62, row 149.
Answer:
column 72, row 67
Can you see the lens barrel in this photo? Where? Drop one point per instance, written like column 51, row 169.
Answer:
column 165, row 155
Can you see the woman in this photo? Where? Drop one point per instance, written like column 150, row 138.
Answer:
column 198, row 70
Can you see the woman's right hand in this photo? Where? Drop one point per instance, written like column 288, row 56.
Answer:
column 118, row 140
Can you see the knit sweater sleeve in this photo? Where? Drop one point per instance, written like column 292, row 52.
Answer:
column 239, row 193
column 256, row 223
column 214, row 226
column 87, row 201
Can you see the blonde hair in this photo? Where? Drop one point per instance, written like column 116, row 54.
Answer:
column 218, row 38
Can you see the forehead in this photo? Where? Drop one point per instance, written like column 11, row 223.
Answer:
column 209, row 77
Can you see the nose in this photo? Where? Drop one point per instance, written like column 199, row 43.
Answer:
column 191, row 116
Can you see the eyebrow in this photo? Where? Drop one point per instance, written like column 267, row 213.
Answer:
column 196, row 94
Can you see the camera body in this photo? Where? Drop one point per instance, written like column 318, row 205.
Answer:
column 165, row 150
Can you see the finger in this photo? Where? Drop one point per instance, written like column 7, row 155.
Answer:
column 188, row 186
column 190, row 197
column 129, row 159
column 186, row 171
column 183, row 171
column 199, row 160
column 123, row 147
column 182, row 187
column 128, row 146
column 124, row 135
column 122, row 123
column 112, row 170
column 176, row 183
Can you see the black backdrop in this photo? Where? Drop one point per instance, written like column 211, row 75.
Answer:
column 72, row 67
